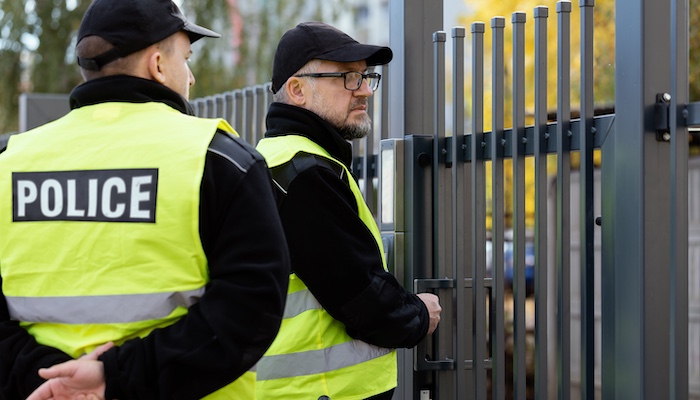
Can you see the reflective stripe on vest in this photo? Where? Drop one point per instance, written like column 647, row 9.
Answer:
column 100, row 309
column 313, row 355
column 314, row 362
column 300, row 301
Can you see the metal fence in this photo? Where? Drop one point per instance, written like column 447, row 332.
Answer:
column 612, row 306
column 498, row 338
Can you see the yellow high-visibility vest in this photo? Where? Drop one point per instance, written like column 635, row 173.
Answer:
column 312, row 354
column 103, row 245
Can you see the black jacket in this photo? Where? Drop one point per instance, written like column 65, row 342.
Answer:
column 235, row 321
column 331, row 249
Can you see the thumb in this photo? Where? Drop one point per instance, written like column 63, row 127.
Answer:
column 65, row 369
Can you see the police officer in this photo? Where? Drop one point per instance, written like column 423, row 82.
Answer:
column 134, row 232
column 345, row 313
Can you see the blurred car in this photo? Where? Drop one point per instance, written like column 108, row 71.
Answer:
column 508, row 274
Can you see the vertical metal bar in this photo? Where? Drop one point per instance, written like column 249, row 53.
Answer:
column 497, row 194
column 541, row 14
column 211, row 107
column 228, row 107
column 679, row 202
column 367, row 172
column 459, row 226
column 518, row 144
column 238, row 108
column 586, row 201
column 196, row 107
column 367, row 147
column 219, row 101
column 563, row 203
column 441, row 204
column 439, row 149
column 248, row 115
column 268, row 93
column 202, row 111
column 384, row 104
column 260, row 112
column 478, row 245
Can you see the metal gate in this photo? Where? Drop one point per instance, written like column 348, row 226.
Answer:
column 434, row 187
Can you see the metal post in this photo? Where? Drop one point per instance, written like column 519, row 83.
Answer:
column 637, row 345
column 410, row 88
column 411, row 25
column 678, row 371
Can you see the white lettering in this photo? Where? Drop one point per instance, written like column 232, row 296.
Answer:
column 49, row 188
column 71, row 194
column 26, row 193
column 92, row 197
column 127, row 195
column 138, row 196
column 120, row 186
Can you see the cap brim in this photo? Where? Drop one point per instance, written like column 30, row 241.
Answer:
column 196, row 32
column 373, row 55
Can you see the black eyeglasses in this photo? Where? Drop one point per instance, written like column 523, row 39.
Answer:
column 352, row 80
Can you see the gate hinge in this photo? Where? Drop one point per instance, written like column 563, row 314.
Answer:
column 661, row 117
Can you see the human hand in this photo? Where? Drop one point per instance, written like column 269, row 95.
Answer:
column 432, row 303
column 81, row 379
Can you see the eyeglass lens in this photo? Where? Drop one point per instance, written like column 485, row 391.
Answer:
column 353, row 81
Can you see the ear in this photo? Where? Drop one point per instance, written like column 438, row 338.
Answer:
column 155, row 66
column 296, row 90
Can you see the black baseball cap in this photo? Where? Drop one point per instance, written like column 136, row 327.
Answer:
column 316, row 40
column 133, row 25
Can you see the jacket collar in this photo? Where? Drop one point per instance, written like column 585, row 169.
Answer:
column 123, row 88
column 284, row 119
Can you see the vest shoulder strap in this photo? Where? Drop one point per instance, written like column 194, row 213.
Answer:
column 285, row 174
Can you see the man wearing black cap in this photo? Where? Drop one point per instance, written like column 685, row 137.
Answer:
column 136, row 233
column 344, row 313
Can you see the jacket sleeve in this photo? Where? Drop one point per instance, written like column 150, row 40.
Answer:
column 235, row 321
column 337, row 257
column 21, row 357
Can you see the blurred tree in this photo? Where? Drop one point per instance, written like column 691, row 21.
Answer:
column 13, row 20
column 694, row 53
column 56, row 25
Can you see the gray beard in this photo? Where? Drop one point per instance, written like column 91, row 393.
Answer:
column 355, row 131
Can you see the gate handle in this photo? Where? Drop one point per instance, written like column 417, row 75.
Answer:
column 421, row 361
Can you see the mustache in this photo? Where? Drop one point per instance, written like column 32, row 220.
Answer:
column 359, row 103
